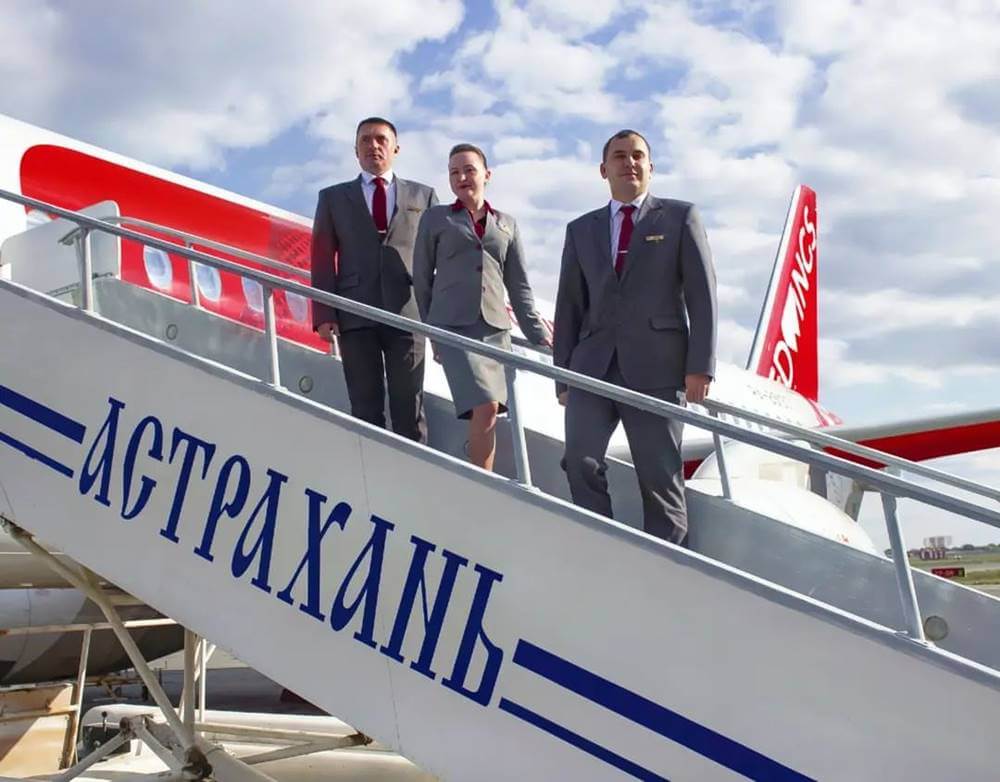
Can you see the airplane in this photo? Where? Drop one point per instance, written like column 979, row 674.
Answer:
column 780, row 378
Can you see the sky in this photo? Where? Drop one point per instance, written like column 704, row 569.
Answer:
column 890, row 110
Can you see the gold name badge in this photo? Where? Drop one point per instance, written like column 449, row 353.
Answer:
column 654, row 238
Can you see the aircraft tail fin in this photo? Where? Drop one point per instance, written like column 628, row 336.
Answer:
column 785, row 345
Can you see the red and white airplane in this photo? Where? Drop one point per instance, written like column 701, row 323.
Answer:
column 780, row 379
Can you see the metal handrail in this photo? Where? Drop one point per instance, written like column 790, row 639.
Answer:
column 896, row 486
column 890, row 485
column 811, row 436
column 706, row 422
column 201, row 241
column 191, row 240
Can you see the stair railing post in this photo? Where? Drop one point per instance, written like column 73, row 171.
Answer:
column 904, row 575
column 720, row 460
column 86, row 264
column 271, row 334
column 193, row 277
column 521, row 466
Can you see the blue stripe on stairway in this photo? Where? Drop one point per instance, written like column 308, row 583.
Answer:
column 46, row 416
column 31, row 453
column 660, row 719
column 580, row 742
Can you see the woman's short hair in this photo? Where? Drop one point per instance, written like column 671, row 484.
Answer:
column 469, row 148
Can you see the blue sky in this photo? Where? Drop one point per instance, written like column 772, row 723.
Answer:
column 888, row 110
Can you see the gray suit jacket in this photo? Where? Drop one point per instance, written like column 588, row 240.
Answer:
column 660, row 317
column 351, row 259
column 457, row 277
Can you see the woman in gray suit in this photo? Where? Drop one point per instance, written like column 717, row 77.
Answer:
column 466, row 256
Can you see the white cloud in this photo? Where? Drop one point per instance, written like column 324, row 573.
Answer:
column 536, row 68
column 839, row 370
column 734, row 342
column 28, row 34
column 893, row 310
column 515, row 147
column 152, row 80
column 544, row 195
column 736, row 92
column 574, row 18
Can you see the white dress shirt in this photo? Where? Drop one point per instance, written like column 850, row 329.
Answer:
column 616, row 221
column 368, row 188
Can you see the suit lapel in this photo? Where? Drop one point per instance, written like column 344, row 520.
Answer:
column 460, row 219
column 496, row 228
column 403, row 200
column 649, row 203
column 648, row 212
column 602, row 237
column 357, row 197
column 498, row 236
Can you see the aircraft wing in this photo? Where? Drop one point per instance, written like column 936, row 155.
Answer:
column 926, row 438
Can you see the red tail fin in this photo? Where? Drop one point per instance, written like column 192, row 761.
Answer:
column 785, row 345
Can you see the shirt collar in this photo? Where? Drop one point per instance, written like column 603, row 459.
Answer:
column 636, row 202
column 458, row 206
column 367, row 178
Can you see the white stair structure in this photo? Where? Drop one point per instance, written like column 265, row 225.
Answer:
column 482, row 627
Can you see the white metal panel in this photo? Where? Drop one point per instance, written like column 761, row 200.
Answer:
column 40, row 262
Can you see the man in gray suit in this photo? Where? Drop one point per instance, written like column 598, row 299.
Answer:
column 362, row 248
column 636, row 307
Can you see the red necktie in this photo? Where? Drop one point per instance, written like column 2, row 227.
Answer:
column 623, row 238
column 379, row 206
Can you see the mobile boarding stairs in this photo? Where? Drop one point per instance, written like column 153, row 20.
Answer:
column 479, row 624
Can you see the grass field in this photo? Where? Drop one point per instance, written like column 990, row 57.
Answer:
column 981, row 568
column 972, row 558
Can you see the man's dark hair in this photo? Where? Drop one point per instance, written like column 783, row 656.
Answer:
column 469, row 148
column 376, row 121
column 624, row 133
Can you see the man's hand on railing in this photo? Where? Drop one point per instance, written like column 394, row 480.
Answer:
column 696, row 388
column 542, row 347
column 563, row 396
column 327, row 331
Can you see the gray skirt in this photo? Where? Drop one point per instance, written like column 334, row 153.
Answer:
column 475, row 380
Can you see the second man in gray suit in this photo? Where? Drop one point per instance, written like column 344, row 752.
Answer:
column 636, row 307
column 362, row 249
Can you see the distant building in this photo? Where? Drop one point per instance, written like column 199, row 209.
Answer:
column 938, row 541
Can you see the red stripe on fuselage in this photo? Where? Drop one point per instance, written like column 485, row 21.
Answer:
column 73, row 180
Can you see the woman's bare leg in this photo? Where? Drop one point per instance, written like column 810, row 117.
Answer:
column 483, row 435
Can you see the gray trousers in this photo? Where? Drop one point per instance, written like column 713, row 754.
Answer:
column 380, row 356
column 655, row 443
